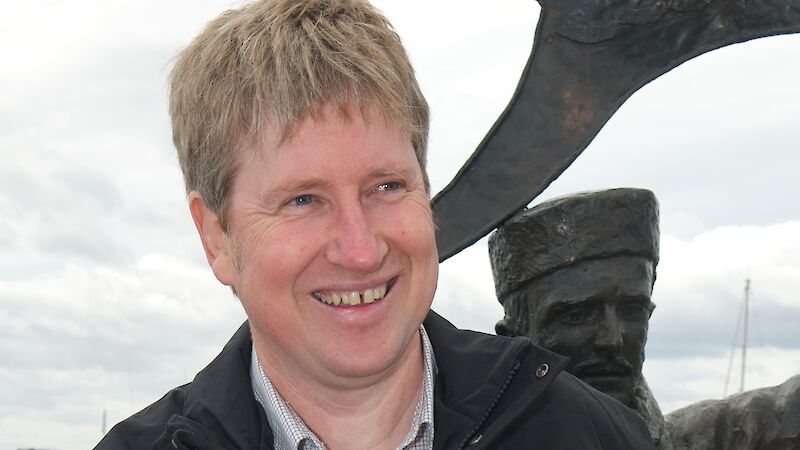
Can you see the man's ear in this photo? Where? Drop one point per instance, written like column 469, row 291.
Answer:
column 216, row 242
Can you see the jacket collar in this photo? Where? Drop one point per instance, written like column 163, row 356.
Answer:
column 482, row 375
column 474, row 372
column 221, row 397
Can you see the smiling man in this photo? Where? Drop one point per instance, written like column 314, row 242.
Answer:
column 301, row 132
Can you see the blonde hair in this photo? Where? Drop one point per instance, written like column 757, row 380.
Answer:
column 281, row 61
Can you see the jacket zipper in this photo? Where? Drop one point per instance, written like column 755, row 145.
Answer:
column 509, row 378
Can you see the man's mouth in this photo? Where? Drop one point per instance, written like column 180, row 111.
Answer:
column 352, row 298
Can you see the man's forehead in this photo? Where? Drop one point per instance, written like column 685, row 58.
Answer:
column 273, row 132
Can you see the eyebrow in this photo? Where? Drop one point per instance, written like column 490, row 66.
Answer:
column 292, row 187
column 392, row 171
column 562, row 304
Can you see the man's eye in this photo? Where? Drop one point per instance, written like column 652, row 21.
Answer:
column 301, row 200
column 389, row 186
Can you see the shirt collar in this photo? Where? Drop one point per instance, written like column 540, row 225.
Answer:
column 291, row 433
column 420, row 435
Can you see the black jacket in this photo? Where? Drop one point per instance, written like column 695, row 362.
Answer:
column 491, row 392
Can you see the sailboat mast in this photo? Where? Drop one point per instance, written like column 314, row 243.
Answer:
column 744, row 337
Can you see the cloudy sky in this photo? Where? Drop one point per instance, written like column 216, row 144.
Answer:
column 106, row 300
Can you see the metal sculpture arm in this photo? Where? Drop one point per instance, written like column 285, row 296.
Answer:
column 588, row 57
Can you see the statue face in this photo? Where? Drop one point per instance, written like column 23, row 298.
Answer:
column 596, row 312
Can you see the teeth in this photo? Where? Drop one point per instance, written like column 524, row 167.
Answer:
column 322, row 297
column 352, row 298
column 368, row 296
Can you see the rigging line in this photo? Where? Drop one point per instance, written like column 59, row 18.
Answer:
column 756, row 330
column 744, row 338
column 733, row 350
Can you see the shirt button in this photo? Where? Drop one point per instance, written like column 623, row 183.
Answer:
column 476, row 439
column 542, row 370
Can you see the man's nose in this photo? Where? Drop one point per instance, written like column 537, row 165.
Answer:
column 609, row 333
column 356, row 243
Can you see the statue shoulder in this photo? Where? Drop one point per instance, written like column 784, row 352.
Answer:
column 760, row 418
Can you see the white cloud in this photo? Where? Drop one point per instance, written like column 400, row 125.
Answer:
column 91, row 338
column 700, row 288
column 465, row 295
column 699, row 293
column 678, row 382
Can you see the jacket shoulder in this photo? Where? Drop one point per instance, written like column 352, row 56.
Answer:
column 587, row 418
column 143, row 428
column 506, row 393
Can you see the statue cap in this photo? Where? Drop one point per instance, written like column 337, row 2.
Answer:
column 570, row 229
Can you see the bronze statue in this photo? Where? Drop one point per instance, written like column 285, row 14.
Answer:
column 766, row 418
column 588, row 57
column 575, row 274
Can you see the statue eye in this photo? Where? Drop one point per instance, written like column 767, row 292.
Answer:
column 579, row 315
column 633, row 312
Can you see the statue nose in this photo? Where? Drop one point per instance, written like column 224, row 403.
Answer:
column 609, row 331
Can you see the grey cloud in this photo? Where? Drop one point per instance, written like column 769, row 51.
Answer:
column 774, row 325
column 109, row 318
column 31, row 190
column 680, row 330
column 84, row 242
column 76, row 209
column 19, row 193
column 85, row 185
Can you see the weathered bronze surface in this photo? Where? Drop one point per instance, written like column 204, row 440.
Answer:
column 588, row 57
column 761, row 419
column 575, row 275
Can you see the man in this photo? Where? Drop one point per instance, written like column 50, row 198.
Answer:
column 575, row 275
column 301, row 133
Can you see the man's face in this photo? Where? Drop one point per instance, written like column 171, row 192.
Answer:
column 596, row 312
column 335, row 213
